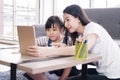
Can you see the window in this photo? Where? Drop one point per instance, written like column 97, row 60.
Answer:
column 58, row 8
column 16, row 12
column 99, row 4
column 84, row 4
column 113, row 3
column 29, row 12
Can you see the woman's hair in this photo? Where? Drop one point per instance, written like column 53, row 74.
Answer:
column 77, row 12
column 54, row 20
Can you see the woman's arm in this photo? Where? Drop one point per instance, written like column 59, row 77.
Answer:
column 91, row 39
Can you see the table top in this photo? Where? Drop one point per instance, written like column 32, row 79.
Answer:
column 37, row 65
column 54, row 64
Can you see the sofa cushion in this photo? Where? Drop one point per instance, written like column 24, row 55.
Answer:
column 40, row 30
column 42, row 41
column 109, row 18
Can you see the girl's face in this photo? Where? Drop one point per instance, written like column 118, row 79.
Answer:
column 54, row 33
column 71, row 23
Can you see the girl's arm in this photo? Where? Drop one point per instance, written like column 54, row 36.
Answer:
column 65, row 73
column 60, row 51
column 50, row 51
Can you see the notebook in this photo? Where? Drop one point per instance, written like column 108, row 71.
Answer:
column 26, row 37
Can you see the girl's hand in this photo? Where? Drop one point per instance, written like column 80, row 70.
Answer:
column 41, row 51
column 37, row 51
column 58, row 45
column 33, row 51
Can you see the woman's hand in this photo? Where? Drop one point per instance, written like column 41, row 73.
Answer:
column 91, row 39
column 80, row 40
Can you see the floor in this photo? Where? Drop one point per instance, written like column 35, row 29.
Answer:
column 3, row 46
column 4, row 68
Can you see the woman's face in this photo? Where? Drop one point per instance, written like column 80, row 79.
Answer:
column 54, row 33
column 71, row 23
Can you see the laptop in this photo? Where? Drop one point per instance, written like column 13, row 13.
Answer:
column 26, row 37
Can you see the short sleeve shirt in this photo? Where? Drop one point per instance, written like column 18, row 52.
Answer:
column 105, row 46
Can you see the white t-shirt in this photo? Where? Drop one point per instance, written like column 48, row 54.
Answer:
column 105, row 46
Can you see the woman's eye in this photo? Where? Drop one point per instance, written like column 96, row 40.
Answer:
column 67, row 20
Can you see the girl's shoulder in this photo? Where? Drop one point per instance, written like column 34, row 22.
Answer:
column 62, row 41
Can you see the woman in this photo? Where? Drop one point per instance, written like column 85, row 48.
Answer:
column 98, row 39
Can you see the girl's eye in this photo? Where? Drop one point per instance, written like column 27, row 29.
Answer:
column 54, row 29
column 48, row 30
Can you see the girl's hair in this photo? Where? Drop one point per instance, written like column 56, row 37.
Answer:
column 54, row 20
column 77, row 12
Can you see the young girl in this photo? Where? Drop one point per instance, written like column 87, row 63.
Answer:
column 98, row 39
column 54, row 28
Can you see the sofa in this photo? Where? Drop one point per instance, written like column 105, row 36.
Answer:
column 109, row 18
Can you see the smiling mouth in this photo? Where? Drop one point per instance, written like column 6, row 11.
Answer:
column 51, row 36
column 69, row 29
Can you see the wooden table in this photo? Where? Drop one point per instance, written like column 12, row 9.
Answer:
column 35, row 65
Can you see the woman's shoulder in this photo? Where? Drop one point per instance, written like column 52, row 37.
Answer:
column 94, row 25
